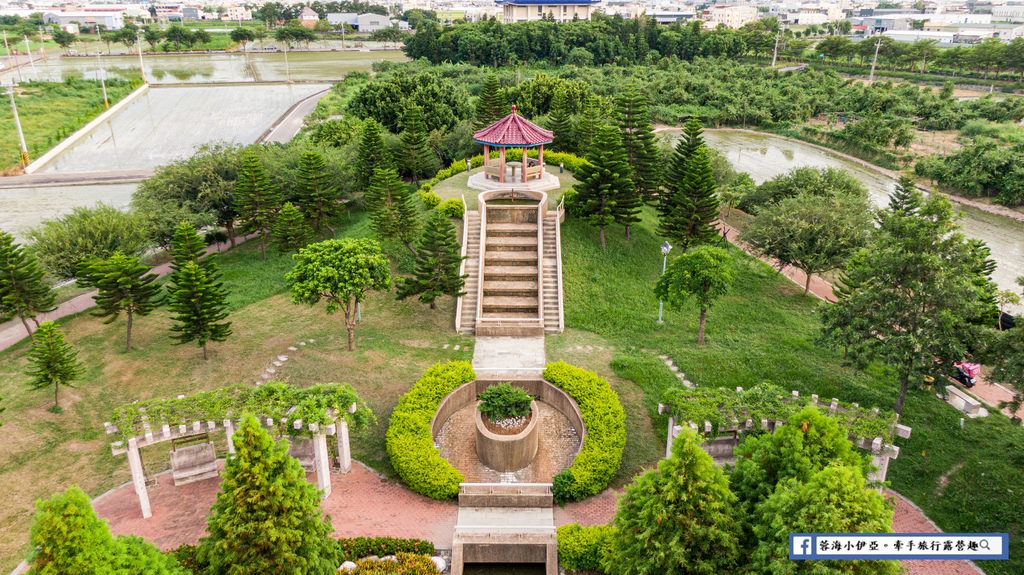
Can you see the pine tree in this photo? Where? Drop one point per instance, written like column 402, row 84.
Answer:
column 372, row 155
column 392, row 214
column 200, row 304
column 492, row 105
column 693, row 132
column 689, row 207
column 422, row 160
column 188, row 246
column 22, row 291
column 560, row 123
column 605, row 193
column 291, row 232
column 587, row 127
column 639, row 142
column 52, row 361
column 257, row 199
column 123, row 286
column 316, row 195
column 437, row 263
column 267, row 516
column 905, row 199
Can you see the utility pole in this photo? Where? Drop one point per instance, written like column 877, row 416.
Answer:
column 871, row 79
column 103, row 82
column 287, row 71
column 10, row 62
column 776, row 53
column 17, row 123
column 42, row 42
column 142, row 65
column 28, row 50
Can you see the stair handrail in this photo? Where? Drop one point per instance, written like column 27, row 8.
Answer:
column 541, row 208
column 558, row 265
column 462, row 264
column 481, row 207
column 560, row 210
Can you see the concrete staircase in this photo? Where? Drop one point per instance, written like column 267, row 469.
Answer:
column 552, row 272
column 510, row 271
column 467, row 303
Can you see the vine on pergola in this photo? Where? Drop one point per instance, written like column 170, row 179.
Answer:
column 322, row 404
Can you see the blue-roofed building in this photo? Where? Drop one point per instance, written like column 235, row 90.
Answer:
column 560, row 10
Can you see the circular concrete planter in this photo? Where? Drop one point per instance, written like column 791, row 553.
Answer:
column 508, row 452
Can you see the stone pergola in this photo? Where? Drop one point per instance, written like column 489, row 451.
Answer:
column 196, row 462
column 513, row 131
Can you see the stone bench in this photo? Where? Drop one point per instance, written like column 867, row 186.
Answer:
column 302, row 449
column 962, row 401
column 505, row 495
column 194, row 463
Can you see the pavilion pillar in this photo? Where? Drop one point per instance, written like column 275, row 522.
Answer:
column 344, row 451
column 487, row 157
column 229, row 429
column 540, row 158
column 138, row 477
column 501, row 163
column 322, row 464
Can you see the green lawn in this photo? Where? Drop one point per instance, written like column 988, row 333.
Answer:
column 43, row 453
column 966, row 481
column 51, row 111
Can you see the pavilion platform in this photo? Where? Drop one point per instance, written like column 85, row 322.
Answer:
column 546, row 182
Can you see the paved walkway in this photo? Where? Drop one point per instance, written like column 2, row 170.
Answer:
column 13, row 331
column 52, row 179
column 506, row 355
column 363, row 504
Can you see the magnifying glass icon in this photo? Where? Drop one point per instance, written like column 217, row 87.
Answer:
column 984, row 545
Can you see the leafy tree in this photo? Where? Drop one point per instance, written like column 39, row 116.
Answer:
column 638, row 141
column 916, row 294
column 52, row 361
column 317, row 197
column 689, row 206
column 64, row 39
column 267, row 517
column 123, row 286
column 257, row 199
column 22, row 291
column 679, row 518
column 560, row 123
column 243, row 36
column 605, row 193
column 200, row 304
column 372, row 155
column 342, row 272
column 291, row 232
column 392, row 213
column 704, row 273
column 437, row 263
column 803, row 181
column 833, row 500
column 177, row 35
column 86, row 233
column 421, row 160
column 492, row 105
column 153, row 35
column 812, row 234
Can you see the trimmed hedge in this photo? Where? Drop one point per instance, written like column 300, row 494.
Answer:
column 572, row 162
column 428, row 197
column 582, row 548
column 605, row 421
column 452, row 208
column 404, row 564
column 409, row 442
column 352, row 549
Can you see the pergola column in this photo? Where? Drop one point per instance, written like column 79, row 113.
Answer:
column 322, row 464
column 344, row 451
column 501, row 162
column 139, row 477
column 229, row 429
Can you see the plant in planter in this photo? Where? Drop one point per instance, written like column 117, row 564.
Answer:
column 503, row 401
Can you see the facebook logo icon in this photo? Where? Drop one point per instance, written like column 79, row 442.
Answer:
column 801, row 546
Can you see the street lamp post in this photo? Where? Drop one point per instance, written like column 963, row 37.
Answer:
column 665, row 248
column 17, row 123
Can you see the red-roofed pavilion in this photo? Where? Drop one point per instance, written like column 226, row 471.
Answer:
column 513, row 131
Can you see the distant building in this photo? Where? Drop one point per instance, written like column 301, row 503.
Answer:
column 190, row 13
column 372, row 22
column 560, row 10
column 1008, row 13
column 109, row 20
column 168, row 12
column 337, row 18
column 308, row 17
column 731, row 16
column 671, row 16
column 238, row 13
column 882, row 24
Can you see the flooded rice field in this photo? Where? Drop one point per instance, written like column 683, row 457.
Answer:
column 169, row 123
column 254, row 66
column 24, row 208
column 558, row 444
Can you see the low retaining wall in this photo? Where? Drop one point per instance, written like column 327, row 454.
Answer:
column 84, row 130
column 508, row 452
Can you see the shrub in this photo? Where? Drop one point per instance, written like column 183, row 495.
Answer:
column 406, row 564
column 359, row 547
column 504, row 401
column 452, row 208
column 188, row 557
column 604, row 419
column 429, row 198
column 217, row 236
column 84, row 234
column 410, row 444
column 582, row 548
column 552, row 159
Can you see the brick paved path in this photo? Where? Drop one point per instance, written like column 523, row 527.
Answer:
column 364, row 504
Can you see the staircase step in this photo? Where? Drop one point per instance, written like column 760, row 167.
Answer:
column 510, row 301
column 511, row 230
column 510, row 287
column 513, row 241
column 501, row 257
column 509, row 315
